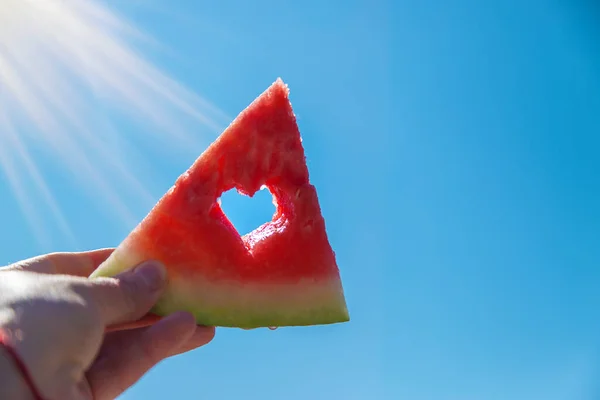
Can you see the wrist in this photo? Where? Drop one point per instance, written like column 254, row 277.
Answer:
column 12, row 382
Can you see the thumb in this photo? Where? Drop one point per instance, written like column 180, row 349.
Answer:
column 129, row 295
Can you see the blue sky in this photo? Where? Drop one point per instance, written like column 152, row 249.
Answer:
column 455, row 147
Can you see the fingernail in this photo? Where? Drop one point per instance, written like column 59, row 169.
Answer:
column 152, row 273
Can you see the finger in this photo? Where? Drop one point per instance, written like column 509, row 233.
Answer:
column 202, row 336
column 128, row 296
column 76, row 264
column 124, row 361
column 146, row 320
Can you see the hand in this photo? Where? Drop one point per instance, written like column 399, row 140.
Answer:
column 86, row 339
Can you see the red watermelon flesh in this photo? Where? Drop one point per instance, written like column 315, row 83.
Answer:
column 284, row 273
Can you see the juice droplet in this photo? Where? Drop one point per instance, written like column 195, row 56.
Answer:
column 272, row 328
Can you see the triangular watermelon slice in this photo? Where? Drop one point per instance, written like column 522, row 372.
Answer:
column 284, row 273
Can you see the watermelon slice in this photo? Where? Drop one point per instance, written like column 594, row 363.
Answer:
column 283, row 273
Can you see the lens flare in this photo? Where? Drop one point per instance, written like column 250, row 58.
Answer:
column 67, row 69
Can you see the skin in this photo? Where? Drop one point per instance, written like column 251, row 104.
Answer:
column 81, row 338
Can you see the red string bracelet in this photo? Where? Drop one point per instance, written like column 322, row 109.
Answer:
column 18, row 361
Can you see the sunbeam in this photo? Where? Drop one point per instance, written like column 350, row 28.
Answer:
column 65, row 68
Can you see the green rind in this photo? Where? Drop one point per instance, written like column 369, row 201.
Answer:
column 322, row 315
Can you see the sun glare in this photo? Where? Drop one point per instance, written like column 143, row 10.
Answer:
column 63, row 66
